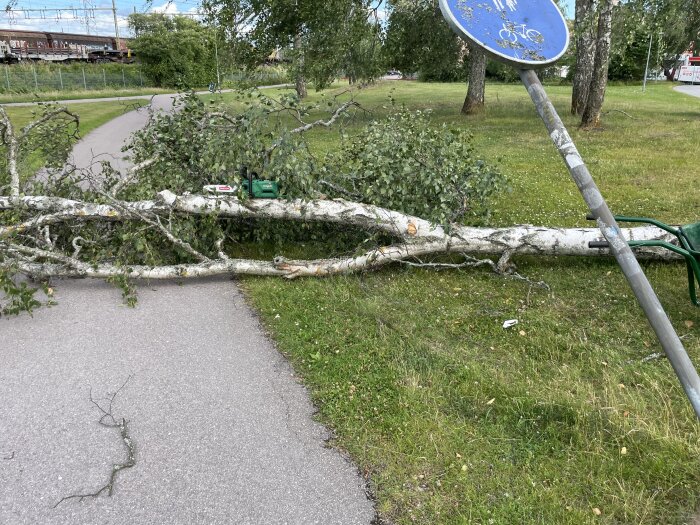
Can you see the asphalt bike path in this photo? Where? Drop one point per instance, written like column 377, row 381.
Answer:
column 186, row 387
column 691, row 90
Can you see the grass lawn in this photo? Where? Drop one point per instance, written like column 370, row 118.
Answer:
column 92, row 115
column 556, row 420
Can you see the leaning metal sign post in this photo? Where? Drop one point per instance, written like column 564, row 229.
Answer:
column 532, row 33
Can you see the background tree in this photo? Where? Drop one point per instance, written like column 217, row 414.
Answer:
column 174, row 51
column 670, row 25
column 474, row 101
column 584, row 34
column 599, row 78
column 593, row 29
column 322, row 37
column 349, row 40
column 419, row 39
column 621, row 43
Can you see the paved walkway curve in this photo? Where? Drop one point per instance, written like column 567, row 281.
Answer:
column 688, row 89
column 222, row 431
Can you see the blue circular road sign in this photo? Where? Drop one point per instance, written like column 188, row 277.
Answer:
column 528, row 33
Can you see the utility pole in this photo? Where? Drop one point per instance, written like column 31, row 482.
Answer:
column 116, row 25
column 216, row 54
column 646, row 69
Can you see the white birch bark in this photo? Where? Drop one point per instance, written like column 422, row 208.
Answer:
column 417, row 237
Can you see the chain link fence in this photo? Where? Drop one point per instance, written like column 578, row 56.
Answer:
column 32, row 79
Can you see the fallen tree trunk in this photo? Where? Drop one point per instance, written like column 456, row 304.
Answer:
column 415, row 237
column 523, row 239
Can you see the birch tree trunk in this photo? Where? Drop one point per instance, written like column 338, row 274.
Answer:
column 584, row 27
column 415, row 238
column 599, row 81
column 300, row 82
column 474, row 102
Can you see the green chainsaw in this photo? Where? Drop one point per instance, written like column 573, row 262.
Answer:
column 255, row 187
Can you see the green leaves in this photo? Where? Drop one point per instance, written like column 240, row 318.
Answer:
column 16, row 296
column 403, row 162
column 174, row 51
column 406, row 164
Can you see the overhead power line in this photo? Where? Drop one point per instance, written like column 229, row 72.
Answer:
column 88, row 9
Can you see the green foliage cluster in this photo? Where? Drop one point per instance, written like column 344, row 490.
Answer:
column 202, row 144
column 403, row 163
column 50, row 141
column 406, row 163
column 321, row 38
column 174, row 51
column 15, row 295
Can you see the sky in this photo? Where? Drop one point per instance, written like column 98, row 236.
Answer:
column 102, row 22
column 98, row 23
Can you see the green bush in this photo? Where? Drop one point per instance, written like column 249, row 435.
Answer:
column 405, row 163
column 266, row 75
column 174, row 51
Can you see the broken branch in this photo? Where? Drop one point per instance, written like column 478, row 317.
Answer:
column 107, row 420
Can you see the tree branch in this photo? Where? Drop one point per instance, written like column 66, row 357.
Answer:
column 131, row 176
column 326, row 123
column 108, row 420
column 46, row 117
column 10, row 141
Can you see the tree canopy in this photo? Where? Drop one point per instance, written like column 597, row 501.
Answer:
column 327, row 37
column 174, row 51
column 670, row 25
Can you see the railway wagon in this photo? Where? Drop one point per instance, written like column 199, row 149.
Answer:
column 19, row 45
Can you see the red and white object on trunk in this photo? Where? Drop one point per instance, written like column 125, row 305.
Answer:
column 220, row 188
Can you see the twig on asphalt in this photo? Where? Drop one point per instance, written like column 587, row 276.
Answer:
column 107, row 420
